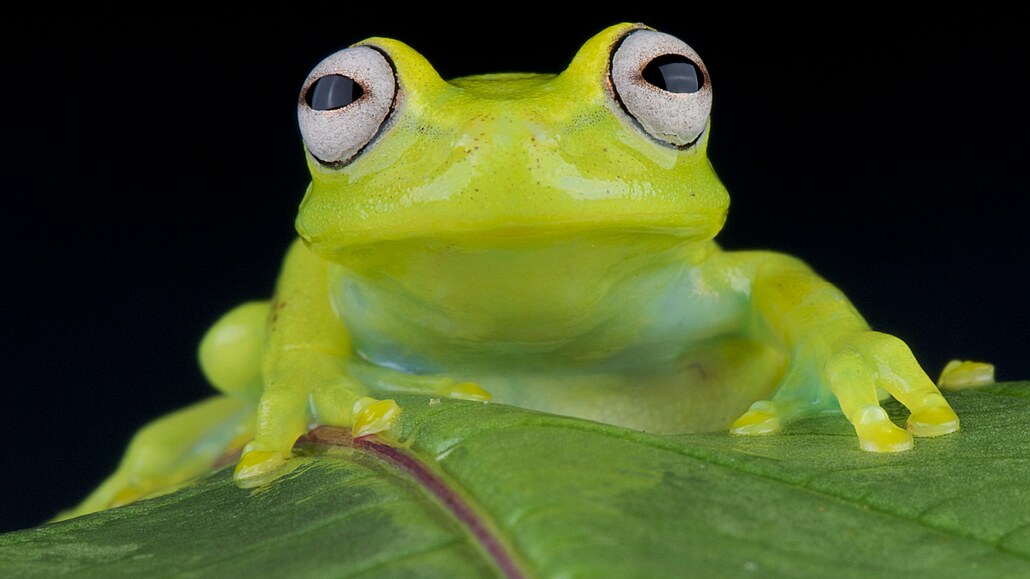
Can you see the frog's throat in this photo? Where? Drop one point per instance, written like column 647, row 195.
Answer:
column 505, row 290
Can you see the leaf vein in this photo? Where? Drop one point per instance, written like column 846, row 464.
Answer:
column 659, row 444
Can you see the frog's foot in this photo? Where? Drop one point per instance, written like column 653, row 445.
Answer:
column 762, row 418
column 287, row 412
column 959, row 374
column 870, row 360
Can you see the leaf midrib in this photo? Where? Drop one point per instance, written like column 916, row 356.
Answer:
column 441, row 489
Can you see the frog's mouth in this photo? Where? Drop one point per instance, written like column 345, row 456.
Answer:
column 642, row 232
column 530, row 247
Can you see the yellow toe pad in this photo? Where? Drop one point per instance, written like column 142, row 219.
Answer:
column 876, row 433
column 256, row 463
column 959, row 374
column 933, row 421
column 375, row 417
column 466, row 391
column 762, row 418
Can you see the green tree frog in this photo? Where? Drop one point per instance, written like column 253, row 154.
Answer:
column 538, row 240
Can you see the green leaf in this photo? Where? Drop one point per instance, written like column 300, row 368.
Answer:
column 489, row 490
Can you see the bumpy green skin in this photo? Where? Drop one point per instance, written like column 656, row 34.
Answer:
column 520, row 235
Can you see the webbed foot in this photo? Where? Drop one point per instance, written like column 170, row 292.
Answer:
column 869, row 360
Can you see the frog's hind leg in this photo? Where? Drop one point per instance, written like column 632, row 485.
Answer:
column 232, row 350
column 185, row 444
column 172, row 450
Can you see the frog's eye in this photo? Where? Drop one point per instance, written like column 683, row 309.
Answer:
column 662, row 83
column 344, row 103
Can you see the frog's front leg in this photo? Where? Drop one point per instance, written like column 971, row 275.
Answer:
column 305, row 370
column 834, row 355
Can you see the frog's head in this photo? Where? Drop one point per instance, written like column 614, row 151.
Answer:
column 616, row 142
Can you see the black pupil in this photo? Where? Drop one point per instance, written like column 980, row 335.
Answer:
column 674, row 73
column 333, row 91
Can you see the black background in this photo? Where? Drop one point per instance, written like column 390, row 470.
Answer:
column 152, row 168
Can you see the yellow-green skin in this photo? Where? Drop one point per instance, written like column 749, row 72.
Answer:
column 518, row 237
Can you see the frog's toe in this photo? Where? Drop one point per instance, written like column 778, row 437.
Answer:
column 959, row 374
column 465, row 391
column 933, row 421
column 876, row 432
column 762, row 418
column 256, row 464
column 374, row 416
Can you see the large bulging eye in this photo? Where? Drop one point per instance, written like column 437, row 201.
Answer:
column 662, row 83
column 344, row 103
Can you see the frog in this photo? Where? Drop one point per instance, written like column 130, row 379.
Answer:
column 545, row 241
